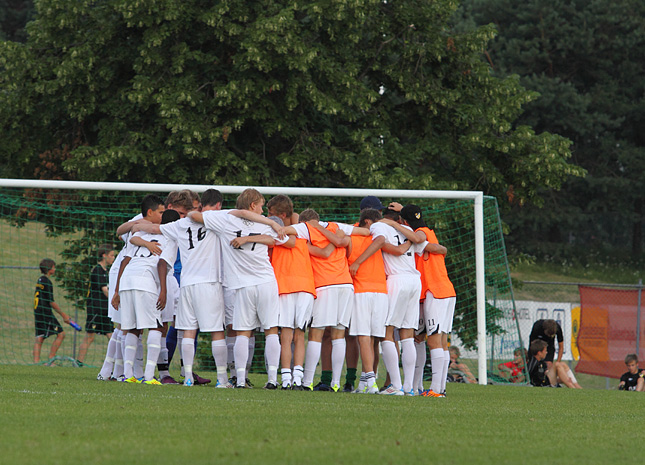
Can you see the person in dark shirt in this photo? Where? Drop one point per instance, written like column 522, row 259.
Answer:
column 535, row 365
column 547, row 331
column 98, row 321
column 629, row 381
column 46, row 322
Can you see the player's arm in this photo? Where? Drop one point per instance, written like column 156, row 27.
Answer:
column 376, row 245
column 396, row 206
column 358, row 231
column 436, row 249
column 291, row 242
column 116, row 300
column 127, row 226
column 153, row 247
column 324, row 252
column 265, row 239
column 57, row 309
column 396, row 249
column 162, row 269
column 416, row 237
column 197, row 217
column 249, row 215
column 560, row 351
column 146, row 227
column 339, row 239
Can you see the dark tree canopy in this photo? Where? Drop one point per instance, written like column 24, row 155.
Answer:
column 586, row 58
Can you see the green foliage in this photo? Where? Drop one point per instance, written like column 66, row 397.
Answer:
column 326, row 93
column 14, row 15
column 585, row 59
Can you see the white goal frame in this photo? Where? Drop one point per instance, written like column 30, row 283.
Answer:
column 476, row 196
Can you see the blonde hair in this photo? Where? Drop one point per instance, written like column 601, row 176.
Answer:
column 248, row 197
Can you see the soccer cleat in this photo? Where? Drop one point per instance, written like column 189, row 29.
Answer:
column 443, row 393
column 372, row 390
column 270, row 386
column 120, row 378
column 240, row 387
column 100, row 377
column 419, row 392
column 391, row 391
column 169, row 380
column 297, row 387
column 286, row 387
column 225, row 385
column 153, row 382
column 233, row 381
column 199, row 380
column 335, row 388
column 321, row 387
column 74, row 325
column 410, row 393
column 188, row 383
column 348, row 387
column 309, row 388
column 132, row 380
column 249, row 384
column 431, row 393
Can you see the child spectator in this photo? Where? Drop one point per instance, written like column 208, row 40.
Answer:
column 459, row 367
column 629, row 381
column 46, row 322
column 514, row 370
column 535, row 365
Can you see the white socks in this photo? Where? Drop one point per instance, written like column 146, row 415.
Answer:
column 391, row 360
column 154, row 347
column 220, row 354
column 188, row 355
column 408, row 360
column 272, row 356
column 444, row 376
column 108, row 363
column 138, row 361
column 241, row 357
column 298, row 374
column 128, row 355
column 419, row 366
column 338, row 348
column 312, row 356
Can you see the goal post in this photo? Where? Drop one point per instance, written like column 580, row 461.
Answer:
column 67, row 216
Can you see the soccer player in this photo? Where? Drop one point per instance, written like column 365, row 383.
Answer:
column 46, row 322
column 98, row 321
column 292, row 265
column 403, row 289
column 334, row 290
column 142, row 282
column 201, row 301
column 629, row 380
column 247, row 270
column 437, row 298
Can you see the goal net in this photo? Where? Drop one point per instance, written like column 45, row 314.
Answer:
column 67, row 221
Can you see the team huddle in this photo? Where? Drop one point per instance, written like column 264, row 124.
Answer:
column 232, row 273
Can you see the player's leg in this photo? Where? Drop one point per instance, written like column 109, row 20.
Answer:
column 338, row 349
column 286, row 337
column 325, row 361
column 87, row 342
column 351, row 358
column 60, row 337
column 565, row 375
column 312, row 355
column 408, row 359
column 108, row 362
column 153, row 350
column 38, row 344
column 391, row 360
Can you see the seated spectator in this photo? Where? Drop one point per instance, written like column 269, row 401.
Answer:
column 514, row 370
column 459, row 371
column 540, row 375
column 629, row 381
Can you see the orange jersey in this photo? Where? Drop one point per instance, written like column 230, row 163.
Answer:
column 333, row 270
column 292, row 268
column 434, row 276
column 371, row 274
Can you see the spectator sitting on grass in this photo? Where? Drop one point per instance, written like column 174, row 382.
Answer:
column 458, row 369
column 514, row 370
column 538, row 370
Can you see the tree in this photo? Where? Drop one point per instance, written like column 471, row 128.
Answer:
column 585, row 58
column 327, row 93
column 14, row 15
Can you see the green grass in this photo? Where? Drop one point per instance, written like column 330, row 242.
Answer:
column 62, row 415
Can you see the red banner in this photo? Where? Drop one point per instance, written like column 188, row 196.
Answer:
column 608, row 325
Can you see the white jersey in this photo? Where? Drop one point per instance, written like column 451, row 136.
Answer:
column 397, row 264
column 303, row 230
column 114, row 269
column 199, row 248
column 141, row 272
column 248, row 265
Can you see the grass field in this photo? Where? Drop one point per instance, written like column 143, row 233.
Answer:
column 63, row 415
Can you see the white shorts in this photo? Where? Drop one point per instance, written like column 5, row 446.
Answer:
column 296, row 310
column 369, row 314
column 333, row 306
column 139, row 309
column 201, row 306
column 437, row 312
column 172, row 301
column 229, row 305
column 114, row 315
column 256, row 307
column 421, row 329
column 403, row 301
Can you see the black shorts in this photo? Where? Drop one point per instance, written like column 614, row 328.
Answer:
column 46, row 325
column 99, row 324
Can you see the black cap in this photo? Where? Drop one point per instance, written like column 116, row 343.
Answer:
column 412, row 214
column 371, row 202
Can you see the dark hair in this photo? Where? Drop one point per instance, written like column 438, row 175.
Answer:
column 537, row 345
column 391, row 214
column 211, row 197
column 104, row 249
column 631, row 358
column 168, row 216
column 369, row 214
column 46, row 264
column 550, row 327
column 281, row 204
column 309, row 214
column 150, row 202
